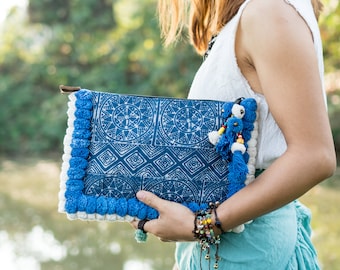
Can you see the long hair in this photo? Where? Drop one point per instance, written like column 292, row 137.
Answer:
column 203, row 18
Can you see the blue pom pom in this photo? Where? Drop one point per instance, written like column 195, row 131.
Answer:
column 248, row 126
column 133, row 206
column 82, row 113
column 234, row 125
column 71, row 205
column 142, row 211
column 152, row 213
column 75, row 185
column 226, row 109
column 203, row 206
column 194, row 207
column 102, row 205
column 111, row 206
column 85, row 104
column 84, row 94
column 82, row 123
column 250, row 116
column 81, row 134
column 75, row 173
column 80, row 152
column 80, row 143
column 78, row 162
column 82, row 202
column 91, row 205
column 72, row 193
column 249, row 104
column 121, row 207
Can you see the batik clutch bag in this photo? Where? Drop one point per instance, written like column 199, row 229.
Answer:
column 189, row 151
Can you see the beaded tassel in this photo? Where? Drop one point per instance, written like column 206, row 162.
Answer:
column 203, row 231
column 140, row 236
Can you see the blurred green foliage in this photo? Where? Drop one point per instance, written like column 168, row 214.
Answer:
column 107, row 45
column 330, row 33
column 104, row 45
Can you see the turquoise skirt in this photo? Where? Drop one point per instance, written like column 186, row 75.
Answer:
column 278, row 240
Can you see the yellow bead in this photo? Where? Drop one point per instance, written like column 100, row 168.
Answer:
column 240, row 140
column 221, row 130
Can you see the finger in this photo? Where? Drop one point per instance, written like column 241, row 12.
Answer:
column 134, row 224
column 165, row 240
column 150, row 199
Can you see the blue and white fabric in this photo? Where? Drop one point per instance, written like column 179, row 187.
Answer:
column 116, row 145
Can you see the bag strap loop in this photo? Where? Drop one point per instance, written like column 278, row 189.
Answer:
column 64, row 89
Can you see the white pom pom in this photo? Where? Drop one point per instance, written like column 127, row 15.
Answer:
column 252, row 151
column 91, row 217
column 72, row 97
column 82, row 215
column 100, row 217
column 214, row 137
column 250, row 179
column 252, row 143
column 238, row 229
column 251, row 169
column 129, row 218
column 238, row 147
column 72, row 216
column 238, row 111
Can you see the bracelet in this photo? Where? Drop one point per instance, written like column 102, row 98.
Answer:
column 204, row 233
column 218, row 223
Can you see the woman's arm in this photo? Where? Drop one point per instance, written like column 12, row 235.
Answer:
column 276, row 42
column 280, row 47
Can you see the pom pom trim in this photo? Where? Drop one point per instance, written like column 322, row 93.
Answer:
column 77, row 205
column 72, row 201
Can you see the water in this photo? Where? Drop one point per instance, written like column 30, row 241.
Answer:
column 34, row 236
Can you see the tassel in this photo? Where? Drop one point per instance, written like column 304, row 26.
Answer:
column 239, row 166
column 223, row 147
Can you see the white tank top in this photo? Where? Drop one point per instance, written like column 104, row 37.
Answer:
column 219, row 78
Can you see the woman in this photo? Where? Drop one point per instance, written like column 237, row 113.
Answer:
column 271, row 51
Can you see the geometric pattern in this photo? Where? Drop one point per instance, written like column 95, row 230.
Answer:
column 116, row 145
column 156, row 144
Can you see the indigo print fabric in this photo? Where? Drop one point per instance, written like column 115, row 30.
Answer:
column 116, row 145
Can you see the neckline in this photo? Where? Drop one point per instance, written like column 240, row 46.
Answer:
column 210, row 45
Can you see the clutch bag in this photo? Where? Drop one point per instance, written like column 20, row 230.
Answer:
column 188, row 151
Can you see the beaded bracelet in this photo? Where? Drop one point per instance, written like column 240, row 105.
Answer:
column 203, row 231
column 218, row 223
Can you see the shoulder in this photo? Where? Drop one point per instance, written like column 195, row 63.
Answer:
column 274, row 11
column 272, row 26
column 271, row 17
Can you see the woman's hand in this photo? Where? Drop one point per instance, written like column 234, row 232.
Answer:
column 175, row 221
